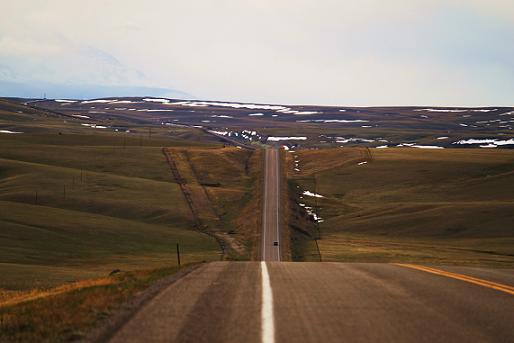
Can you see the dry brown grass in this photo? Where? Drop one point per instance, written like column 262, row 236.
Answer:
column 249, row 220
column 458, row 203
column 68, row 312
column 9, row 298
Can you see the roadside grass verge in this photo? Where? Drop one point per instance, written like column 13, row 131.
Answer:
column 73, row 207
column 452, row 206
column 67, row 313
column 230, row 177
column 349, row 247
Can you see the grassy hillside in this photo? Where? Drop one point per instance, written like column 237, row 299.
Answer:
column 75, row 211
column 225, row 186
column 437, row 206
column 78, row 202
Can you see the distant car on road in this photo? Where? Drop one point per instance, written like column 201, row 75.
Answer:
column 275, row 243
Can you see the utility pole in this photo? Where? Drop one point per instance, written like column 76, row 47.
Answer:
column 178, row 255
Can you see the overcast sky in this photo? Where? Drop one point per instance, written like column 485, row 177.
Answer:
column 365, row 52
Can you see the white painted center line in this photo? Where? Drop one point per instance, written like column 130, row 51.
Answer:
column 267, row 320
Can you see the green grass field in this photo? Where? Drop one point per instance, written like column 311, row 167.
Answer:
column 77, row 202
column 230, row 178
column 432, row 206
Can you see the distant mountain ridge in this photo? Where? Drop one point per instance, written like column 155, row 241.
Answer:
column 82, row 91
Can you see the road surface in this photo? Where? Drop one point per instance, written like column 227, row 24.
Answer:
column 271, row 207
column 325, row 302
column 278, row 302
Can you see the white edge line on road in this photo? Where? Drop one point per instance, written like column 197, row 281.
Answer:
column 267, row 320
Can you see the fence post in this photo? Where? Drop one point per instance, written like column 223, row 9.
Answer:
column 178, row 255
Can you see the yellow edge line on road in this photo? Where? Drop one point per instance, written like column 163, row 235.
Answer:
column 484, row 283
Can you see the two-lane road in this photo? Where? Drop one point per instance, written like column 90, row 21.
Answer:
column 324, row 302
column 279, row 302
column 270, row 246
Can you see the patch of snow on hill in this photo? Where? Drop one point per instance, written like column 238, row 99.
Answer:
column 159, row 110
column 485, row 111
column 312, row 194
column 347, row 140
column 276, row 139
column 162, row 101
column 123, row 102
column 221, row 133
column 9, row 131
column 228, row 104
column 427, row 147
column 509, row 141
column 333, row 121
column 94, row 126
column 99, row 101
column 440, row 110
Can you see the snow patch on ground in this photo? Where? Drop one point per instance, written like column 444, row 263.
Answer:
column 276, row 139
column 221, row 116
column 333, row 121
column 312, row 194
column 414, row 145
column 9, row 131
column 347, row 140
column 162, row 101
column 361, row 163
column 80, row 116
column 94, row 126
column 227, row 104
column 427, row 147
column 123, row 102
column 99, row 101
column 287, row 110
column 221, row 133
column 488, row 141
column 65, row 101
column 440, row 110
column 255, row 114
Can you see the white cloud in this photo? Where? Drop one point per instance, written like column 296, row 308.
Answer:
column 425, row 52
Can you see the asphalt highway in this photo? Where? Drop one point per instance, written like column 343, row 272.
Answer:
column 272, row 301
column 324, row 302
column 270, row 247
